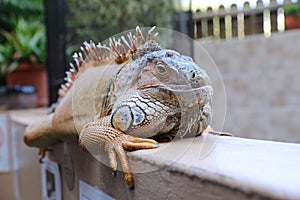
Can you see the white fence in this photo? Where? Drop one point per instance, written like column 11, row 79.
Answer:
column 226, row 23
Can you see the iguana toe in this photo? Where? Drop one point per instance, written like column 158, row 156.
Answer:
column 133, row 143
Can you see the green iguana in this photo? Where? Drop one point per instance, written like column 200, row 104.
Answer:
column 126, row 96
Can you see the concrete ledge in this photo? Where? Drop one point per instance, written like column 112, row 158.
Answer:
column 205, row 167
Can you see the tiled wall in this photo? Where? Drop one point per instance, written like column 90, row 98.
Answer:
column 262, row 82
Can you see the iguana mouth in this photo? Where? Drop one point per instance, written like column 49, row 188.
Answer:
column 187, row 95
column 185, row 88
column 192, row 96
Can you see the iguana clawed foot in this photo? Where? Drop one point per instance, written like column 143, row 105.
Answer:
column 128, row 143
column 95, row 136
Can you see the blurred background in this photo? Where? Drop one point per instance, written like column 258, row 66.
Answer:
column 253, row 43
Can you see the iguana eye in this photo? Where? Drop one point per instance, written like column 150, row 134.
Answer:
column 161, row 69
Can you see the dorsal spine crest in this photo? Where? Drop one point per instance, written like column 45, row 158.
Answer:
column 91, row 54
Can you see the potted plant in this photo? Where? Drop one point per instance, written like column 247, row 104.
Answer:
column 23, row 57
column 292, row 16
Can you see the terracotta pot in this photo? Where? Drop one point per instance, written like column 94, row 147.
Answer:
column 292, row 22
column 28, row 74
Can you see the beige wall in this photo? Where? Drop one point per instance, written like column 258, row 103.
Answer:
column 261, row 77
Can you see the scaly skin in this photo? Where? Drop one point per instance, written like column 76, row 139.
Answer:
column 120, row 102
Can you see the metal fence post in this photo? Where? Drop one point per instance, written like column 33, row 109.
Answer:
column 55, row 26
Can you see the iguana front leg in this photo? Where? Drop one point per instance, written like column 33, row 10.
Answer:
column 99, row 135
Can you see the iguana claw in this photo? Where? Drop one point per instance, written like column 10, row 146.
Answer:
column 95, row 136
column 42, row 154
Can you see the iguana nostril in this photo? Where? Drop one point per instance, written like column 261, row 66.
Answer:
column 169, row 54
column 193, row 75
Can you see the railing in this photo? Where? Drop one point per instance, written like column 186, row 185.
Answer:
column 233, row 22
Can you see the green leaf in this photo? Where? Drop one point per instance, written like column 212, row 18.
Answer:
column 3, row 68
column 12, row 66
column 26, row 41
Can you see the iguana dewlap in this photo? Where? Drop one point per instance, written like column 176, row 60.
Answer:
column 117, row 99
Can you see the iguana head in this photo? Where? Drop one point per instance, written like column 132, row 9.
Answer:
column 169, row 70
column 155, row 88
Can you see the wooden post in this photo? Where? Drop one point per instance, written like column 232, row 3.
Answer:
column 210, row 23
column 259, row 17
column 249, row 20
column 273, row 15
column 234, row 21
column 222, row 22
column 199, row 27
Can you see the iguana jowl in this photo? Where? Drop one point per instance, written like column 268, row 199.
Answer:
column 117, row 99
